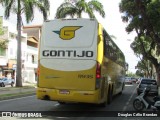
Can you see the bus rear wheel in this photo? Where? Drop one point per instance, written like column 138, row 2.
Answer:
column 61, row 103
column 103, row 104
column 109, row 98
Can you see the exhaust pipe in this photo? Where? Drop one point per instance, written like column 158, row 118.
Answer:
column 46, row 97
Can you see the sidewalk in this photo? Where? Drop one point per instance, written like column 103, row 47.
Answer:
column 15, row 92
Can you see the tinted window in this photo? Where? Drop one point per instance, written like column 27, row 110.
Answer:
column 146, row 81
column 112, row 51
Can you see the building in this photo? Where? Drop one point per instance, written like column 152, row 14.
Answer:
column 31, row 64
column 8, row 55
column 34, row 30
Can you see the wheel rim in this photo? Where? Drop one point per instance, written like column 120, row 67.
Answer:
column 138, row 105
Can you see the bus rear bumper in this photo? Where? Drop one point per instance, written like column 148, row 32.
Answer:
column 68, row 95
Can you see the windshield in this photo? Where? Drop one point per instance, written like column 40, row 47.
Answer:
column 147, row 81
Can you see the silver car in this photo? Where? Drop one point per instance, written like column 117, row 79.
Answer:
column 128, row 80
column 6, row 81
column 146, row 82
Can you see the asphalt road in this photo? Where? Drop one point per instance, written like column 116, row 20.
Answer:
column 120, row 103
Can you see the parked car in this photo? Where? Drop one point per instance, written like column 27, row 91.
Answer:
column 146, row 82
column 128, row 80
column 6, row 81
column 133, row 79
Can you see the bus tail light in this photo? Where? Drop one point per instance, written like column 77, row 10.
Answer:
column 98, row 75
column 38, row 73
column 98, row 71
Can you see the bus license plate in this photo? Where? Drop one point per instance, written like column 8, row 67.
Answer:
column 64, row 92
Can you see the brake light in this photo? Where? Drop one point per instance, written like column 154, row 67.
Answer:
column 98, row 70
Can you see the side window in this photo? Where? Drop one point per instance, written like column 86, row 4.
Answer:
column 111, row 50
column 104, row 42
column 107, row 49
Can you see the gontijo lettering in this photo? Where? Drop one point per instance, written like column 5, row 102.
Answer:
column 67, row 53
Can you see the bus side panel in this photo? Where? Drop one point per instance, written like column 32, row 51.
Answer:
column 114, row 75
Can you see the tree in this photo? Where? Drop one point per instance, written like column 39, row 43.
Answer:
column 27, row 7
column 1, row 27
column 3, row 42
column 144, row 48
column 146, row 67
column 143, row 16
column 76, row 8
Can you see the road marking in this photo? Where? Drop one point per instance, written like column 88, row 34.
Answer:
column 128, row 85
column 16, row 98
column 125, row 107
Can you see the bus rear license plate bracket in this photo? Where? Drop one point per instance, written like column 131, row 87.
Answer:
column 64, row 92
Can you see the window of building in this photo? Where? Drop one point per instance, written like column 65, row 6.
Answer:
column 11, row 51
column 32, row 58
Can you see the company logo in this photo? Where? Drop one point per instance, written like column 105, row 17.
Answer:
column 67, row 32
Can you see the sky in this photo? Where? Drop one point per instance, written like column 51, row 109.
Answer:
column 112, row 23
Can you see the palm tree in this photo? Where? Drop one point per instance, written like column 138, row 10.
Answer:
column 27, row 7
column 3, row 41
column 76, row 8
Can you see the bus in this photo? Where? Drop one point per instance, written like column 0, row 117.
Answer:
column 78, row 62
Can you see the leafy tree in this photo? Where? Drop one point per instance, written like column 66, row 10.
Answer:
column 146, row 67
column 139, row 73
column 3, row 42
column 1, row 27
column 130, row 74
column 27, row 7
column 76, row 8
column 143, row 16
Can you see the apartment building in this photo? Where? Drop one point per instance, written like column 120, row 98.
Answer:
column 8, row 55
column 31, row 64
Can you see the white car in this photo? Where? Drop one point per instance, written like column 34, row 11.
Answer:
column 6, row 81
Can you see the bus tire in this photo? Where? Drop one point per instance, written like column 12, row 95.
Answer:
column 122, row 89
column 109, row 98
column 61, row 103
column 103, row 104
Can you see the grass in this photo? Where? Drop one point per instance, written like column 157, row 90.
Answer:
column 15, row 95
column 13, row 92
column 14, row 88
